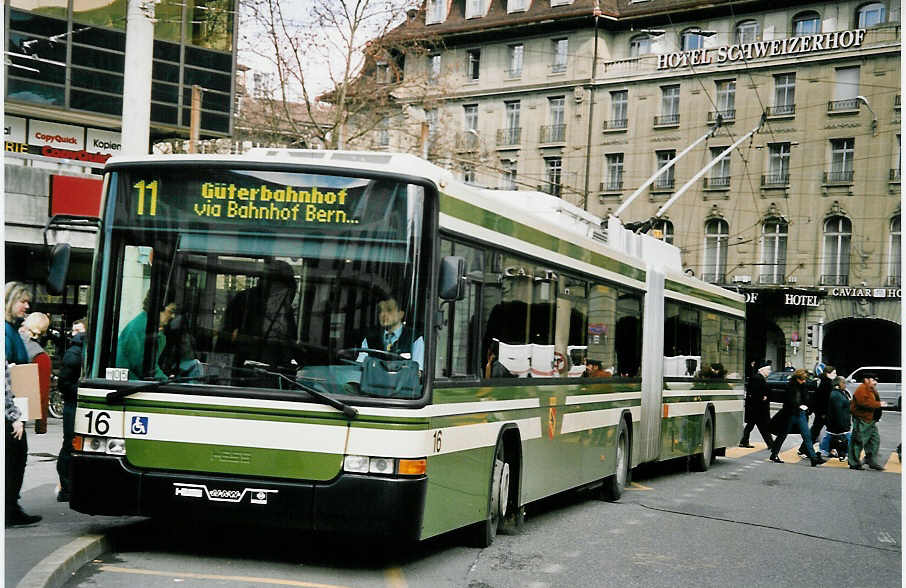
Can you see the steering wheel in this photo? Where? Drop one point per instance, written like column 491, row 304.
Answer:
column 380, row 353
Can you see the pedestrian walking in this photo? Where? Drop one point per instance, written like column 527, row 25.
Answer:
column 18, row 299
column 68, row 384
column 836, row 441
column 819, row 404
column 866, row 410
column 16, row 447
column 757, row 405
column 793, row 416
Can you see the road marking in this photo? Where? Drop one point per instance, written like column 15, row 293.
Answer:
column 637, row 486
column 737, row 452
column 251, row 579
column 395, row 578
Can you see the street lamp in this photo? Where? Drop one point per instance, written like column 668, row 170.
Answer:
column 874, row 117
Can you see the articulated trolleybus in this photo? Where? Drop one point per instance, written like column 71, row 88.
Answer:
column 357, row 342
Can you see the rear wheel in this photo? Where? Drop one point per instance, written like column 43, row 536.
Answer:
column 615, row 484
column 485, row 532
column 702, row 461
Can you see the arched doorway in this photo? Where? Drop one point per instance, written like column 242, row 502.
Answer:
column 764, row 340
column 854, row 342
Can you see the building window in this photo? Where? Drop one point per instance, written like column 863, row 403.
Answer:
column 773, row 251
column 556, row 131
column 778, row 165
column 473, row 64
column 639, row 45
column 717, row 233
column 870, row 15
column 614, row 165
column 434, row 62
column 670, row 96
column 842, row 151
column 720, row 173
column 665, row 181
column 691, row 39
column 784, row 94
column 894, row 268
column 383, row 137
column 898, row 152
column 508, row 175
column 516, row 54
column 468, row 174
column 846, row 88
column 554, row 170
column 835, row 267
column 512, row 131
column 746, row 32
column 435, row 11
column 517, row 5
column 619, row 109
column 806, row 23
column 431, row 119
column 726, row 99
column 474, row 8
column 470, row 124
column 561, row 53
column 663, row 230
column 382, row 73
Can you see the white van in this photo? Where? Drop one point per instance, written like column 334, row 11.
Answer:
column 889, row 383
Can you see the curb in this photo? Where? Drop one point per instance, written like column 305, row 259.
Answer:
column 56, row 569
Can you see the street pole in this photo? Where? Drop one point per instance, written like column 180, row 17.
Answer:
column 195, row 119
column 136, row 114
column 591, row 110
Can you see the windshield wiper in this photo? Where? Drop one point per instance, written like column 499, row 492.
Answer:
column 118, row 395
column 349, row 411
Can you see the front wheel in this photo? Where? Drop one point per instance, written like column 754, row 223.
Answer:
column 485, row 532
column 702, row 461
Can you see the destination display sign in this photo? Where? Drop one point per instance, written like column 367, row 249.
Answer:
column 252, row 199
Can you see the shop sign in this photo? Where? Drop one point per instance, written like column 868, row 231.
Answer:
column 43, row 133
column 800, row 299
column 847, row 292
column 776, row 48
column 104, row 142
column 13, row 129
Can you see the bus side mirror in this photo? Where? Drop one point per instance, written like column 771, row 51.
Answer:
column 452, row 283
column 59, row 269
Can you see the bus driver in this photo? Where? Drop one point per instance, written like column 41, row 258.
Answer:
column 393, row 335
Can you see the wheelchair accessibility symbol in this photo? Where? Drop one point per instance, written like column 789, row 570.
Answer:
column 139, row 425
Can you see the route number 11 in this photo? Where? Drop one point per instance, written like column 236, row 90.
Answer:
column 152, row 205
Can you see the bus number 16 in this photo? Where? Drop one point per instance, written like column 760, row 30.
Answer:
column 438, row 441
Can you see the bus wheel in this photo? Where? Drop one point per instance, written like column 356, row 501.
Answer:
column 615, row 484
column 498, row 500
column 702, row 461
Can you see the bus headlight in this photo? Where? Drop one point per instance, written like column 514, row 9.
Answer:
column 384, row 466
column 92, row 444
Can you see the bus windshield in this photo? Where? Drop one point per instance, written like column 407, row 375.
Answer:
column 264, row 279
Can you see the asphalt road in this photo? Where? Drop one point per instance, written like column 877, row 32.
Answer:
column 746, row 521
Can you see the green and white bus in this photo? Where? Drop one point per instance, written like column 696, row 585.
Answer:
column 235, row 369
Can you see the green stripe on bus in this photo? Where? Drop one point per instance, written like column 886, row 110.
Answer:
column 674, row 286
column 234, row 460
column 692, row 397
column 495, row 222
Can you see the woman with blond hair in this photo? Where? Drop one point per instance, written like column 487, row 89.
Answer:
column 793, row 416
column 18, row 299
column 32, row 331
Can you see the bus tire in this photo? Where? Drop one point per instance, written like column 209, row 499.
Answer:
column 614, row 485
column 484, row 532
column 702, row 461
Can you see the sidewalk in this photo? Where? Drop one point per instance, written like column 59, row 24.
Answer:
column 27, row 547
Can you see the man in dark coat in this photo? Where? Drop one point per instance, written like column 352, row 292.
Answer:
column 758, row 405
column 793, row 416
column 819, row 404
column 68, row 384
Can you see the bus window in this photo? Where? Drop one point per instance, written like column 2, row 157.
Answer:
column 456, row 355
column 628, row 334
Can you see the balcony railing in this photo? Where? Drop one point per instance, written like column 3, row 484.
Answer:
column 838, row 177
column 514, row 72
column 726, row 115
column 893, row 281
column 665, row 120
column 834, row 280
column 716, row 183
column 467, row 142
column 558, row 67
column 775, row 180
column 781, row 110
column 843, row 105
column 611, row 186
column 553, row 134
column 714, row 278
column 894, row 174
column 662, row 184
column 510, row 136
column 771, row 278
column 549, row 188
column 618, row 124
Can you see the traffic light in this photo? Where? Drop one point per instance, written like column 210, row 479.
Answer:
column 811, row 336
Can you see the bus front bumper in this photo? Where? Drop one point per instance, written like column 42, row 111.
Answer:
column 349, row 504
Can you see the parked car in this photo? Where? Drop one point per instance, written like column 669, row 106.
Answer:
column 778, row 381
column 890, row 384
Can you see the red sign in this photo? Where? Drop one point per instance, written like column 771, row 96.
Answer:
column 76, row 196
